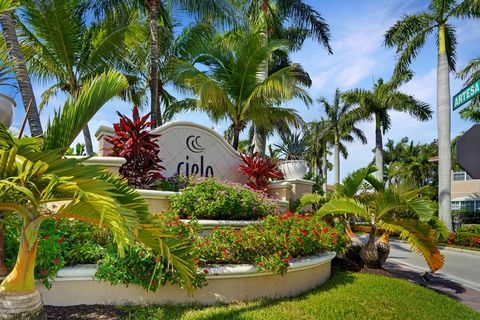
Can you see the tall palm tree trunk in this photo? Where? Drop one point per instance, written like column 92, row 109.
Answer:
column 443, row 125
column 336, row 160
column 324, row 172
column 378, row 148
column 236, row 138
column 152, row 6
column 21, row 73
column 260, row 135
column 88, row 140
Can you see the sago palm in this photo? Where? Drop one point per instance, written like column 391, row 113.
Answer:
column 376, row 105
column 38, row 183
column 409, row 35
column 400, row 209
column 222, row 73
column 341, row 124
column 470, row 74
column 58, row 45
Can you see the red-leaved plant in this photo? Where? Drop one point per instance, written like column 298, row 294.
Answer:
column 260, row 170
column 135, row 143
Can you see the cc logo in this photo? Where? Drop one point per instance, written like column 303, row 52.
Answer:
column 193, row 145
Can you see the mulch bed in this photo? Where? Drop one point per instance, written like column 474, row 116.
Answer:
column 84, row 312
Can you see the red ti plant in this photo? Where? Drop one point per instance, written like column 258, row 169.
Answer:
column 137, row 145
column 259, row 170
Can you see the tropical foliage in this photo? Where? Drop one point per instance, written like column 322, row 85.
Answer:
column 273, row 244
column 208, row 198
column 38, row 184
column 134, row 142
column 222, row 73
column 393, row 208
column 408, row 36
column 292, row 146
column 340, row 122
column 260, row 170
column 377, row 103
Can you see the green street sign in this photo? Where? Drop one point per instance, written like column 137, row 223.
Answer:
column 466, row 94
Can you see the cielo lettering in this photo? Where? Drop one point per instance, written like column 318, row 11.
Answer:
column 188, row 168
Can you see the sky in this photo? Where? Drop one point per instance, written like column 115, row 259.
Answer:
column 358, row 59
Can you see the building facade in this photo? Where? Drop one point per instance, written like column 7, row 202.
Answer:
column 466, row 197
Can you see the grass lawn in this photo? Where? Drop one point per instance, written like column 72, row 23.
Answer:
column 345, row 296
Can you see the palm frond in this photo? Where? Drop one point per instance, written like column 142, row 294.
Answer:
column 68, row 122
column 341, row 207
column 421, row 239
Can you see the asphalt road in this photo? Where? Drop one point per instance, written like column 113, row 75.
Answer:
column 462, row 267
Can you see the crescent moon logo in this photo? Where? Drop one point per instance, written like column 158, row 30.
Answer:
column 193, row 145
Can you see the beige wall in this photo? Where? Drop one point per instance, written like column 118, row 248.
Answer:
column 466, row 188
column 222, row 288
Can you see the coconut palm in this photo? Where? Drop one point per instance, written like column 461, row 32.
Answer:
column 470, row 74
column 222, row 73
column 293, row 21
column 409, row 35
column 399, row 209
column 23, row 80
column 157, row 13
column 377, row 103
column 341, row 123
column 37, row 183
column 59, row 46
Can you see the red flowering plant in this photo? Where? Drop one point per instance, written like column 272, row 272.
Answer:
column 134, row 142
column 272, row 244
column 259, row 170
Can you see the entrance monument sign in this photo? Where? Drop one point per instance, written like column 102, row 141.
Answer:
column 191, row 149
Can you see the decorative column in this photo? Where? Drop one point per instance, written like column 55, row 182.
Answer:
column 102, row 133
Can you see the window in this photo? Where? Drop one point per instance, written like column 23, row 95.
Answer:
column 456, row 205
column 467, row 206
column 461, row 176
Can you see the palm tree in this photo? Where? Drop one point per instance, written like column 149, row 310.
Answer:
column 409, row 35
column 230, row 89
column 157, row 13
column 53, row 179
column 470, row 74
column 289, row 20
column 59, row 45
column 319, row 140
column 340, row 122
column 23, row 80
column 399, row 209
column 411, row 163
column 377, row 103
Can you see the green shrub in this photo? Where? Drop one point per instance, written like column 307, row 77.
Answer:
column 472, row 229
column 208, row 198
column 61, row 243
column 272, row 244
column 141, row 266
column 174, row 183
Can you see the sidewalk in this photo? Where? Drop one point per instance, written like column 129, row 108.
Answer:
column 453, row 289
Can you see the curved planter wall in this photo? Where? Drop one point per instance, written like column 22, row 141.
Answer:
column 226, row 284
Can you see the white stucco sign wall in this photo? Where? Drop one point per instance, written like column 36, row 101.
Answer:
column 191, row 149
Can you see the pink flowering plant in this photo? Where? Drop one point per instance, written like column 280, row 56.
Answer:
column 272, row 244
column 209, row 198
